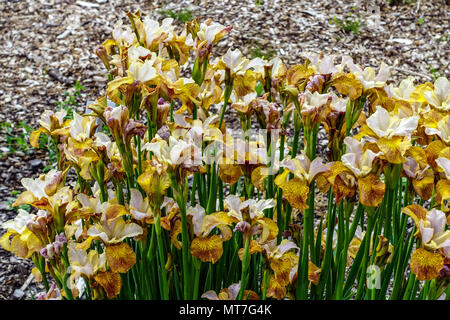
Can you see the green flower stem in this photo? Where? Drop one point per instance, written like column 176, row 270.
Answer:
column 297, row 126
column 197, row 265
column 172, row 104
column 165, row 288
column 181, row 201
column 66, row 276
column 227, row 94
column 119, row 192
column 266, row 278
column 245, row 265
column 39, row 262
column 365, row 258
column 211, row 207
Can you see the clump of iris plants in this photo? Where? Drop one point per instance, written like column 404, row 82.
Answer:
column 171, row 202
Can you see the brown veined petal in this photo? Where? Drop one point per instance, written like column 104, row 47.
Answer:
column 424, row 186
column 371, row 190
column 416, row 212
column 274, row 289
column 174, row 233
column 394, row 149
column 269, row 229
column 296, row 192
column 313, row 273
column 426, row 265
column 354, row 246
column 208, row 249
column 34, row 137
column 19, row 247
column 110, row 281
column 26, row 197
column 322, row 183
column 259, row 175
column 225, row 232
column 230, row 173
column 254, row 247
column 281, row 268
column 245, row 83
column 250, row 295
column 443, row 195
column 114, row 211
column 31, row 241
column 348, row 85
column 216, row 219
column 342, row 180
column 297, row 73
column 418, row 154
column 432, row 151
column 120, row 257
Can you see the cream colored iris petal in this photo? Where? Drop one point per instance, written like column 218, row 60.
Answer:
column 338, row 104
column 234, row 206
column 404, row 90
column 287, row 245
column 139, row 207
column 440, row 97
column 134, row 53
column 426, row 233
column 36, row 186
column 350, row 160
column 198, row 214
column 314, row 99
column 234, row 61
column 406, row 126
column 379, row 122
column 442, row 130
column 437, row 220
column 444, row 163
column 83, row 263
column 123, row 35
column 19, row 223
column 257, row 207
column 124, row 230
column 356, row 159
column 143, row 72
column 316, row 167
column 383, row 73
column 385, row 125
column 257, row 64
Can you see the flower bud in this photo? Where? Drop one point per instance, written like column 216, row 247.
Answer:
column 61, row 238
column 57, row 247
column 315, row 83
column 99, row 106
column 132, row 128
column 103, row 55
column 243, row 227
column 116, row 119
column 43, row 253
